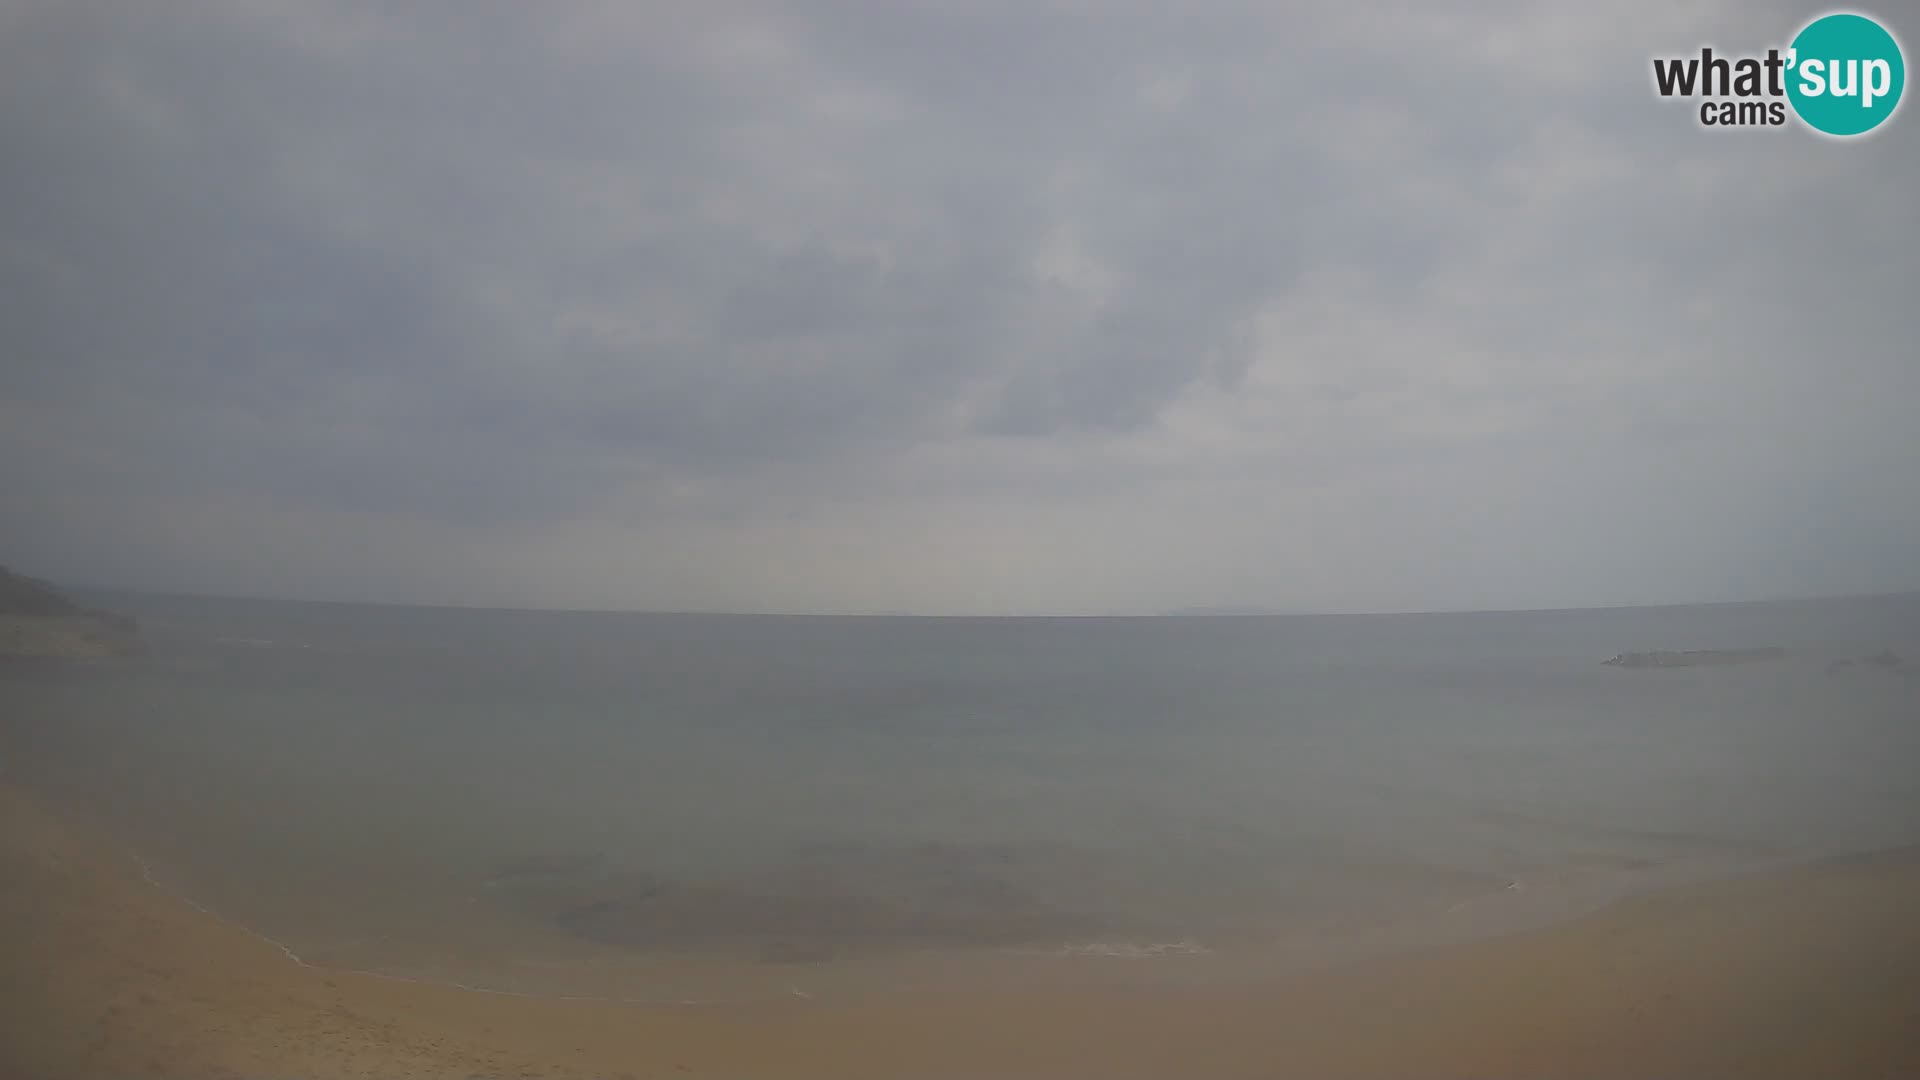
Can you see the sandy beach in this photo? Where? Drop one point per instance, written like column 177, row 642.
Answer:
column 1812, row 971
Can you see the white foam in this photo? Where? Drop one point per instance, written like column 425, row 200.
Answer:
column 1129, row 951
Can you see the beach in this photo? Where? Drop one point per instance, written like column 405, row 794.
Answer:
column 1812, row 970
column 957, row 542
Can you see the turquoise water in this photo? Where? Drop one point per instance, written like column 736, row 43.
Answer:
column 703, row 806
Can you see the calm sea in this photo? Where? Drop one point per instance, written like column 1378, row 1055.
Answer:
column 703, row 808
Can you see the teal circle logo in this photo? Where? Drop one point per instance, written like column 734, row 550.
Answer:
column 1845, row 74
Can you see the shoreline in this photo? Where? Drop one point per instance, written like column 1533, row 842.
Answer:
column 1811, row 968
column 1521, row 905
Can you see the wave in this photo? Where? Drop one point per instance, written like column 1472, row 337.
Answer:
column 1124, row 950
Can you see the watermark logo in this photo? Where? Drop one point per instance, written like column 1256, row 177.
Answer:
column 1842, row 76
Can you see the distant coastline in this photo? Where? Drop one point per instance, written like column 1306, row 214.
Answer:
column 1695, row 658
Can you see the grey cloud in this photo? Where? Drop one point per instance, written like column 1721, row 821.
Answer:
column 705, row 273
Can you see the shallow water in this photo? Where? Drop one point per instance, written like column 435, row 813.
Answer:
column 708, row 808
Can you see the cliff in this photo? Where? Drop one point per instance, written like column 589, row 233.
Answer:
column 37, row 621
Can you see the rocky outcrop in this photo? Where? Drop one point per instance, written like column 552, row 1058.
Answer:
column 37, row 621
column 1695, row 658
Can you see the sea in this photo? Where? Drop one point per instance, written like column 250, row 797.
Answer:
column 712, row 809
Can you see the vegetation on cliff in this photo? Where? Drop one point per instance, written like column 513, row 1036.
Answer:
column 36, row 619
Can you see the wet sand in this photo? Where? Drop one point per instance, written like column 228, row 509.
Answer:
column 1808, row 971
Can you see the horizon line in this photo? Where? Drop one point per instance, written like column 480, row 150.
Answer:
column 1201, row 612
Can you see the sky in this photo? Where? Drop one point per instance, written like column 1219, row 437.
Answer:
column 970, row 308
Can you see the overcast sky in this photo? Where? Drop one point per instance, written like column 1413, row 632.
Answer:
column 965, row 307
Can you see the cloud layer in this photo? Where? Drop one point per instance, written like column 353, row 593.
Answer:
column 942, row 307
